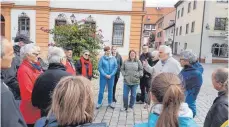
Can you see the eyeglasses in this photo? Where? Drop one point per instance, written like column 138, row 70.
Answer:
column 35, row 54
column 87, row 54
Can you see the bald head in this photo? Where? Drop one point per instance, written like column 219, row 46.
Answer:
column 7, row 53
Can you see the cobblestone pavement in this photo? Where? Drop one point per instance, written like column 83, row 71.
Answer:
column 116, row 118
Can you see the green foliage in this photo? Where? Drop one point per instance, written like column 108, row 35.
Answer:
column 80, row 37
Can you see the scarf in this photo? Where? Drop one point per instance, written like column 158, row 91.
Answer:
column 84, row 69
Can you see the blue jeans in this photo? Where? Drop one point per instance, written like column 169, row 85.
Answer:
column 133, row 91
column 110, row 84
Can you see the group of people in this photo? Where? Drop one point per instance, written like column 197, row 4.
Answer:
column 36, row 93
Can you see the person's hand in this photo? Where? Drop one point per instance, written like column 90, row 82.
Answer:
column 108, row 76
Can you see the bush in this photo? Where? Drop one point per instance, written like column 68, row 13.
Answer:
column 79, row 36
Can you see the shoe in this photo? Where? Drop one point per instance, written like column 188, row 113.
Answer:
column 114, row 100
column 98, row 106
column 112, row 105
column 145, row 106
column 130, row 110
column 123, row 109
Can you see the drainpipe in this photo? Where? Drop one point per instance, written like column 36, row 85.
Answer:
column 143, row 8
column 174, row 30
column 201, row 37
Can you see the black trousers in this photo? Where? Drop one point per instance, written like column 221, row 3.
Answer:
column 144, row 86
column 114, row 87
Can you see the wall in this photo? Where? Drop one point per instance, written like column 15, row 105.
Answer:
column 118, row 5
column 168, row 33
column 14, row 23
column 168, row 17
column 104, row 22
column 22, row 2
column 160, row 39
column 192, row 39
column 210, row 20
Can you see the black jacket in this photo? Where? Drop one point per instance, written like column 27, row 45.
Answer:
column 218, row 112
column 10, row 114
column 45, row 85
column 143, row 57
column 119, row 62
column 9, row 76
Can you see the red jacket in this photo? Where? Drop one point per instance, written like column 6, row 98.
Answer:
column 70, row 68
column 27, row 76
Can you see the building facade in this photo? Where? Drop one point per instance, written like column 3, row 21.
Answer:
column 169, row 27
column 150, row 19
column 201, row 29
column 30, row 17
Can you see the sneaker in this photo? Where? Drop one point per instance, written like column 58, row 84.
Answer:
column 146, row 106
column 98, row 106
column 130, row 110
column 112, row 105
column 123, row 109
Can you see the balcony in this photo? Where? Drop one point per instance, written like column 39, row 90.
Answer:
column 214, row 33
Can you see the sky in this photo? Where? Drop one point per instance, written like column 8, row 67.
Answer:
column 160, row 3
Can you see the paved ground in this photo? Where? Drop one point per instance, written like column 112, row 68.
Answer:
column 116, row 118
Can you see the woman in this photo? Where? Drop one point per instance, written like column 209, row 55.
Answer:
column 84, row 65
column 107, row 68
column 27, row 74
column 218, row 113
column 72, row 104
column 169, row 109
column 132, row 71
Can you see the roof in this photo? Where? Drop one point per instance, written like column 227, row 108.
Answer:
column 178, row 3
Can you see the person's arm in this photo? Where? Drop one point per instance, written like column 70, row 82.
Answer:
column 78, row 67
column 149, row 69
column 100, row 66
column 25, row 80
column 121, row 62
column 115, row 68
column 10, row 114
column 123, row 69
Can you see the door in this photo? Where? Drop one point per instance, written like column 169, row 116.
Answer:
column 2, row 25
column 176, row 46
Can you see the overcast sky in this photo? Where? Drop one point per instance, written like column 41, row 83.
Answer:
column 160, row 3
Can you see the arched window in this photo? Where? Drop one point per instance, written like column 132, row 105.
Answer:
column 223, row 50
column 24, row 24
column 215, row 50
column 60, row 20
column 2, row 25
column 91, row 22
column 118, row 32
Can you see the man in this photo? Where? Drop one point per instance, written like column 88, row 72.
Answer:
column 144, row 81
column 218, row 113
column 9, row 75
column 119, row 62
column 166, row 64
column 191, row 79
column 10, row 114
column 70, row 68
column 47, row 81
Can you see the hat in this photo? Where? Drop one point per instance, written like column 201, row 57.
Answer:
column 22, row 38
column 68, row 48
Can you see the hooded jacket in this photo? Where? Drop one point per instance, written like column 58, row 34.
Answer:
column 185, row 116
column 107, row 66
column 45, row 84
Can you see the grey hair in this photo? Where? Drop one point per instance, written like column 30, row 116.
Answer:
column 155, row 54
column 55, row 55
column 189, row 55
column 27, row 49
column 2, row 46
column 221, row 76
column 85, row 51
column 167, row 49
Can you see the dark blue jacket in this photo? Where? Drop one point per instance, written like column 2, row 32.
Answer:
column 192, row 82
column 198, row 66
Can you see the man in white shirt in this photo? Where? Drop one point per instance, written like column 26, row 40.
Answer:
column 166, row 64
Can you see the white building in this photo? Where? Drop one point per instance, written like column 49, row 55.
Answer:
column 29, row 17
column 200, row 26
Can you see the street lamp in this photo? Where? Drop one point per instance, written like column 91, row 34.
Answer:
column 73, row 18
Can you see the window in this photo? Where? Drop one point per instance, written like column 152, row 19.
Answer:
column 160, row 25
column 159, row 34
column 182, row 12
column 118, row 32
column 193, row 27
column 219, row 50
column 178, row 15
column 220, row 23
column 147, row 27
column 172, row 30
column 194, row 4
column 146, row 33
column 23, row 24
column 222, row 1
column 185, row 46
column 187, row 28
column 180, row 30
column 189, row 7
column 177, row 31
column 153, row 27
column 60, row 20
column 91, row 22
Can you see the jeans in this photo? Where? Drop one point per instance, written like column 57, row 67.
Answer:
column 144, row 86
column 110, row 84
column 132, row 89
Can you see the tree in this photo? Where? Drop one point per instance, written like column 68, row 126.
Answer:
column 79, row 36
column 151, row 39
